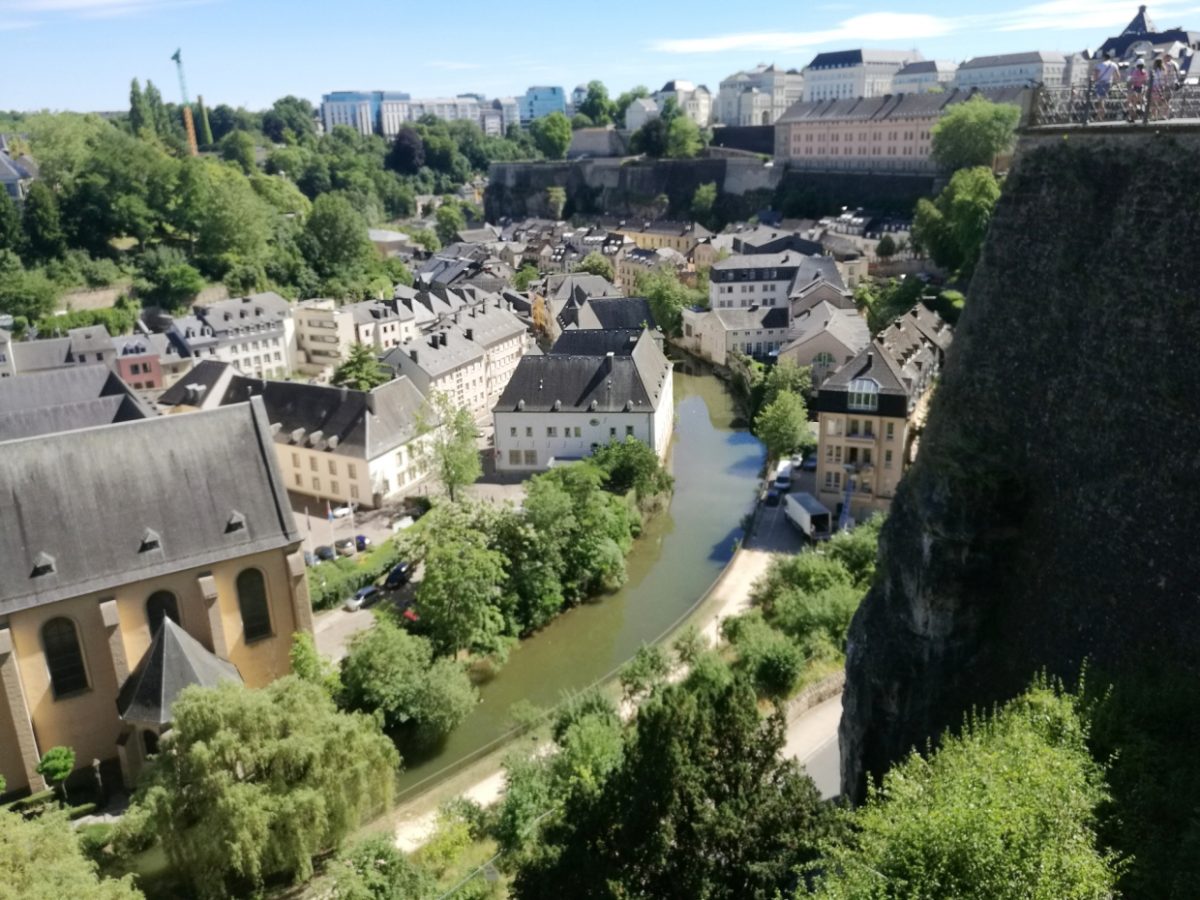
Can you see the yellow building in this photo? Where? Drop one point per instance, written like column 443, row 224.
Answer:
column 679, row 236
column 110, row 532
column 870, row 410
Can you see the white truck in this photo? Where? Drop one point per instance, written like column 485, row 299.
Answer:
column 808, row 514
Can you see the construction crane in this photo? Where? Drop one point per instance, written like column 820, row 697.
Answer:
column 189, row 123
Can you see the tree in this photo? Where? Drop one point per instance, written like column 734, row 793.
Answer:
column 450, row 221
column 647, row 671
column 631, row 465
column 56, row 765
column 375, row 870
column 451, row 445
column 361, row 370
column 525, row 276
column 782, row 425
column 26, row 293
column 40, row 859
column 973, row 133
column 952, row 227
column 252, row 784
column 157, row 117
column 596, row 105
column 166, row 279
column 205, row 135
column 626, row 98
column 552, row 135
column 44, row 238
column 407, row 153
column 684, row 140
column 339, row 237
column 700, row 805
column 238, row 147
column 289, row 118
column 886, row 248
column 596, row 263
column 975, row 819
column 702, row 203
column 139, row 113
column 11, row 235
column 651, row 138
column 579, row 120
column 393, row 672
column 460, row 593
column 556, row 201
column 668, row 297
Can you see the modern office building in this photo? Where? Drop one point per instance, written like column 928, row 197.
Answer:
column 541, row 100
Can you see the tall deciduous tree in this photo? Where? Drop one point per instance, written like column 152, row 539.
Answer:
column 44, row 238
column 40, row 859
column 451, row 447
column 782, row 425
column 973, row 133
column 339, row 236
column 139, row 113
column 683, row 138
column 596, row 263
column 253, row 783
column 376, row 870
column 450, row 221
column 11, row 235
column 952, row 228
column 556, row 201
column 407, row 153
column 701, row 805
column 361, row 370
column 596, row 105
column 238, row 147
column 552, row 135
column 703, row 202
column 289, row 118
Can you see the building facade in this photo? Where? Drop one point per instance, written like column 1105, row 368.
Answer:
column 639, row 112
column 541, row 100
column 327, row 331
column 758, row 96
column 1051, row 69
column 851, row 74
column 255, row 334
column 924, row 76
column 694, row 101
column 89, row 582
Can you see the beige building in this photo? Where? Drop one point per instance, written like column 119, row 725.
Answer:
column 326, row 331
column 681, row 236
column 825, row 337
column 638, row 262
column 198, row 531
column 870, row 411
column 892, row 133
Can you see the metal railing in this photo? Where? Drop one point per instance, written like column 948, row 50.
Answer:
column 1084, row 105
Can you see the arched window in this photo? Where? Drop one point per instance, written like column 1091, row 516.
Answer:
column 64, row 657
column 252, row 601
column 160, row 605
column 864, row 394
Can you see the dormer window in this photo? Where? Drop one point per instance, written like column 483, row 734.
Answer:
column 864, row 394
column 43, row 564
column 150, row 541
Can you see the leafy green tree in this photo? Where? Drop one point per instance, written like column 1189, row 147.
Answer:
column 556, row 201
column 684, row 139
column 631, row 465
column 626, row 98
column 596, row 263
column 645, row 673
column 157, row 117
column 139, row 113
column 525, row 276
column 25, row 293
column 361, row 370
column 668, row 297
column 596, row 105
column 785, row 375
column 551, row 135
column 11, row 235
column 952, row 227
column 533, row 590
column 973, row 133
column 460, row 594
column 238, row 147
column 1007, row 809
column 289, row 119
column 44, row 238
column 450, row 221
column 857, row 549
column 426, row 239
column 407, row 153
column 228, row 220
column 374, row 869
column 309, row 665
column 339, row 237
column 782, row 425
column 887, row 300
column 451, row 444
column 651, row 138
column 56, row 765
column 768, row 656
column 40, row 859
column 702, row 203
column 203, row 129
column 166, row 279
column 254, row 783
column 700, row 805
column 579, row 120
column 886, row 248
column 393, row 672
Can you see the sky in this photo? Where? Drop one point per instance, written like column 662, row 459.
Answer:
column 81, row 54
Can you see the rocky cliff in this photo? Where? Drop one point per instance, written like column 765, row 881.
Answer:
column 1053, row 512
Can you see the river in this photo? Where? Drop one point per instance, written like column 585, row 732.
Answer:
column 677, row 557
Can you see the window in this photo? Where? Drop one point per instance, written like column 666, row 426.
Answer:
column 578, row 431
column 160, row 605
column 252, row 602
column 312, row 463
column 531, row 457
column 887, row 459
column 296, row 460
column 612, row 432
column 333, row 467
column 512, row 432
column 299, row 480
column 864, row 394
column 354, row 491
column 891, row 431
column 64, row 657
column 628, row 431
column 316, row 484
column 333, row 487
column 514, row 457
column 352, row 470
column 551, row 431
column 528, row 431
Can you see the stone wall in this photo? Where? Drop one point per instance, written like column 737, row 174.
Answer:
column 1051, row 515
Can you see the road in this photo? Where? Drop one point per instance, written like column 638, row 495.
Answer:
column 812, row 740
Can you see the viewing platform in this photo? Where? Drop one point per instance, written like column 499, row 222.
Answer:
column 1054, row 109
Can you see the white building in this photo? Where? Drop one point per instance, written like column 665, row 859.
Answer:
column 758, row 96
column 639, row 112
column 694, row 101
column 1052, row 69
column 326, row 332
column 605, row 386
column 847, row 74
column 256, row 334
column 923, row 76
column 768, row 279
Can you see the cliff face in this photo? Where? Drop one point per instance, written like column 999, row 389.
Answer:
column 1053, row 513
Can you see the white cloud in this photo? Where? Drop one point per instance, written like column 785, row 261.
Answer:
column 94, row 9
column 882, row 26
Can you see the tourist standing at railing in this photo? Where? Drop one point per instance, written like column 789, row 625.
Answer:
column 1174, row 80
column 1104, row 76
column 1160, row 90
column 1135, row 93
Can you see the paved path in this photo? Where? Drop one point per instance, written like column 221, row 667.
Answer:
column 812, row 740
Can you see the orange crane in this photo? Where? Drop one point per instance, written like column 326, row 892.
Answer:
column 189, row 124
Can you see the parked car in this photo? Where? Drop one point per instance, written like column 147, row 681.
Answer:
column 340, row 512
column 398, row 577
column 362, row 542
column 810, row 463
column 773, row 497
column 325, row 552
column 346, row 547
column 363, row 597
column 783, row 478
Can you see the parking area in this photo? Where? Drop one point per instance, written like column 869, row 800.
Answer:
column 312, row 518
column 773, row 533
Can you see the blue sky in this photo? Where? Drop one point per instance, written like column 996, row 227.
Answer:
column 81, row 54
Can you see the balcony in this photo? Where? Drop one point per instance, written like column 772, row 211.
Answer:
column 862, row 437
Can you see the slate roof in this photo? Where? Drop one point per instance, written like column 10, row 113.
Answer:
column 616, row 313
column 1013, row 59
column 175, row 660
column 753, row 317
column 489, row 325
column 69, row 399
column 86, row 500
column 437, row 353
column 926, row 67
column 841, row 59
column 562, row 287
column 891, row 106
column 901, row 358
column 597, row 342
column 845, row 325
column 582, row 383
column 238, row 315
column 39, row 355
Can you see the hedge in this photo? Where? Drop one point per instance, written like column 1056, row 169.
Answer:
column 329, row 583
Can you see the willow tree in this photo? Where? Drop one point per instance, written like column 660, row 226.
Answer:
column 251, row 784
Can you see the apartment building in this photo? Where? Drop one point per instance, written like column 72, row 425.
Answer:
column 326, row 331
column 1007, row 70
column 851, row 74
column 694, row 101
column 642, row 261
column 870, row 411
column 255, row 334
column 924, row 76
column 758, row 96
column 678, row 236
column 541, row 100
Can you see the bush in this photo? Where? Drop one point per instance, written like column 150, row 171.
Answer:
column 94, row 838
column 769, row 657
column 819, row 619
column 329, row 583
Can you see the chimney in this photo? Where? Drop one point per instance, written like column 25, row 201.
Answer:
column 470, row 333
column 413, row 354
column 442, row 339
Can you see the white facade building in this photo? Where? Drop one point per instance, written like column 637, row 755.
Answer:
column 1052, row 69
column 639, row 112
column 326, row 332
column 255, row 334
column 848, row 74
column 696, row 102
column 758, row 96
column 924, row 76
